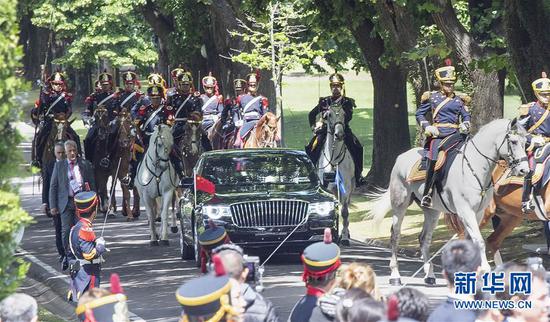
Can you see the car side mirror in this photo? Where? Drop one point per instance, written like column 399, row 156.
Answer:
column 188, row 182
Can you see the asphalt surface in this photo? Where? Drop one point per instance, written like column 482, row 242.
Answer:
column 151, row 275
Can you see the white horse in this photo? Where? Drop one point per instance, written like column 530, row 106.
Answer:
column 335, row 158
column 467, row 191
column 156, row 178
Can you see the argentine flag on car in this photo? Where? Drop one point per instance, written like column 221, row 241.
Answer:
column 340, row 182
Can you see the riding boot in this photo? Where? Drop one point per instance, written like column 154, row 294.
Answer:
column 526, row 197
column 430, row 179
column 206, row 145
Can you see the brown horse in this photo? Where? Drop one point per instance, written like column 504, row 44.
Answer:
column 123, row 142
column 506, row 204
column 59, row 132
column 264, row 134
column 102, row 155
column 190, row 144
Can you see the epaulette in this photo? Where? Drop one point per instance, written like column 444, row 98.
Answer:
column 169, row 107
column 524, row 109
column 265, row 101
column 465, row 98
column 171, row 91
column 68, row 97
column 425, row 96
column 220, row 98
column 86, row 233
column 352, row 102
column 197, row 94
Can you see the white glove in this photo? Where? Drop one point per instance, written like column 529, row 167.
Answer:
column 537, row 141
column 431, row 130
column 465, row 127
column 100, row 241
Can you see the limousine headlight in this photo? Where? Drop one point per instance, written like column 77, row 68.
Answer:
column 216, row 212
column 321, row 208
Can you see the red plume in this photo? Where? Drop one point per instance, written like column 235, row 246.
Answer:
column 393, row 308
column 219, row 269
column 211, row 224
column 448, row 62
column 89, row 316
column 258, row 77
column 327, row 238
column 116, row 288
column 543, row 74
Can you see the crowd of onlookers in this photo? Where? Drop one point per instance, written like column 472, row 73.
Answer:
column 349, row 294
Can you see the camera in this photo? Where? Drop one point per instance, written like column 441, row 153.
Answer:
column 255, row 272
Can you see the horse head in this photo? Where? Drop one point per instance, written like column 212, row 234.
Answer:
column 335, row 117
column 193, row 133
column 515, row 140
column 162, row 142
column 101, row 116
column 125, row 135
column 267, row 134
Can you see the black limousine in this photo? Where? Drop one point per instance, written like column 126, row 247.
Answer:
column 260, row 196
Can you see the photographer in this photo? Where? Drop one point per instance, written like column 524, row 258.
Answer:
column 256, row 307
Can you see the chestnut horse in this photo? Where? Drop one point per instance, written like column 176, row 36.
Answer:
column 264, row 134
column 505, row 204
column 123, row 142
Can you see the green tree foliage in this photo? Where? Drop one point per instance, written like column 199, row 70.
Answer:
column 12, row 217
column 94, row 30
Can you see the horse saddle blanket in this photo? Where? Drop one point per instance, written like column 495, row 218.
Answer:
column 447, row 151
column 541, row 175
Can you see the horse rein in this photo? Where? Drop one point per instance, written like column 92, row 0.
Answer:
column 331, row 131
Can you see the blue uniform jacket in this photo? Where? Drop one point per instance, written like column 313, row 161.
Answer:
column 532, row 116
column 94, row 99
column 175, row 99
column 214, row 106
column 252, row 107
column 448, row 116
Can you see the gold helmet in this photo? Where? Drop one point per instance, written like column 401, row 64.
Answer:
column 446, row 74
column 155, row 90
column 175, row 72
column 209, row 81
column 239, row 84
column 129, row 77
column 156, row 79
column 336, row 79
column 541, row 87
column 105, row 78
column 184, row 78
column 57, row 78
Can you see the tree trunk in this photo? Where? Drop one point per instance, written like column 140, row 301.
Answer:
column 487, row 101
column 34, row 41
column 81, row 86
column 528, row 41
column 162, row 26
column 391, row 135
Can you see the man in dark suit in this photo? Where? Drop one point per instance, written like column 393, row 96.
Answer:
column 47, row 170
column 69, row 178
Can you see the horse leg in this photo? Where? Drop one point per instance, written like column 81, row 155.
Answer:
column 125, row 203
column 164, row 212
column 174, row 227
column 469, row 219
column 507, row 224
column 430, row 221
column 151, row 209
column 345, row 236
column 135, row 208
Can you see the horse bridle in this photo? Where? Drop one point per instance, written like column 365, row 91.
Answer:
column 193, row 122
column 331, row 131
column 512, row 162
column 271, row 142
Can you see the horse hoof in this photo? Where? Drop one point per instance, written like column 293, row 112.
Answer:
column 164, row 243
column 395, row 281
column 136, row 214
column 124, row 214
column 130, row 219
column 154, row 243
column 345, row 242
column 158, row 219
column 430, row 281
column 174, row 229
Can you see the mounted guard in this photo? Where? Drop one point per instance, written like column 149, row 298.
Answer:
column 148, row 116
column 212, row 102
column 338, row 97
column 107, row 98
column 537, row 123
column 450, row 114
column 252, row 106
column 184, row 101
column 128, row 96
column 54, row 103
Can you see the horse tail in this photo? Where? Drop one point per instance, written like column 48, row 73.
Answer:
column 381, row 205
column 454, row 224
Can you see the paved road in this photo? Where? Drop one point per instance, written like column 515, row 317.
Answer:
column 150, row 275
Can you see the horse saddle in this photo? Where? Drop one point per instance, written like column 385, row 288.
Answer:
column 448, row 149
column 541, row 175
